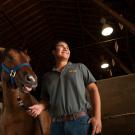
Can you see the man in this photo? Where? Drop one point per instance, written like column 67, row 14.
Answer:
column 65, row 88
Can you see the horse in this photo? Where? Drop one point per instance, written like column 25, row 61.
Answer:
column 18, row 80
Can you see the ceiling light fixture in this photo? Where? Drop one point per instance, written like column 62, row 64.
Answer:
column 106, row 28
column 104, row 65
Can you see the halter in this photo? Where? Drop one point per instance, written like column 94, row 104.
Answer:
column 12, row 71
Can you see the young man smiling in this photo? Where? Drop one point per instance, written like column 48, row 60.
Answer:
column 64, row 88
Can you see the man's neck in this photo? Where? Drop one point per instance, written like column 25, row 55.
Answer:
column 60, row 65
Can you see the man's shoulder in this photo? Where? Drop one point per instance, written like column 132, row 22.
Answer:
column 80, row 66
column 77, row 64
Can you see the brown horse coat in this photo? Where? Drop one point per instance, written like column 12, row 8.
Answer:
column 15, row 120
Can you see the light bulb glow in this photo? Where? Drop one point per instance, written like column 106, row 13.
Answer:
column 105, row 65
column 107, row 31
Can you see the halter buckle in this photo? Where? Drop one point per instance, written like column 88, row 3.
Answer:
column 12, row 73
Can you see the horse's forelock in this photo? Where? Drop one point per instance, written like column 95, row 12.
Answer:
column 18, row 50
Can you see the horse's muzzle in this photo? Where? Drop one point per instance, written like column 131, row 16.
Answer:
column 30, row 82
column 30, row 79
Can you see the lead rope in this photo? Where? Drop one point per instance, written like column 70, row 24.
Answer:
column 38, row 119
column 20, row 101
column 21, row 104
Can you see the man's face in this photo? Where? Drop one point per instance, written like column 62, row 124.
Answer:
column 62, row 51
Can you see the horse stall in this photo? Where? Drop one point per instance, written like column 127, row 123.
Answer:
column 118, row 105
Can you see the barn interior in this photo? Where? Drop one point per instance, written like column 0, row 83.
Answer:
column 36, row 25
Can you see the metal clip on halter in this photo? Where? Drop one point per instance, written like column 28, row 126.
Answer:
column 12, row 73
column 21, row 104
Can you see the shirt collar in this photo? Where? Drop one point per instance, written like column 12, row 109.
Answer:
column 55, row 69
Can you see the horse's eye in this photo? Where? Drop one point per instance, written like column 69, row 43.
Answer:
column 10, row 58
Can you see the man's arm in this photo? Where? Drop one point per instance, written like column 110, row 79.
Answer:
column 96, row 102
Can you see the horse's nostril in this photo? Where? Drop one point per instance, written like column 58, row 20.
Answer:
column 30, row 78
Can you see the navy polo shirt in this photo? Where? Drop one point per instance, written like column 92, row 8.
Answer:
column 66, row 90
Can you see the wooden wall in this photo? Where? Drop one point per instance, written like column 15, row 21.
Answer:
column 118, row 105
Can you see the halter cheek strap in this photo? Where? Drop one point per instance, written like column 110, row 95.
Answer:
column 12, row 71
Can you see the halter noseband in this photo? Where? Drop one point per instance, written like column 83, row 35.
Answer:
column 12, row 71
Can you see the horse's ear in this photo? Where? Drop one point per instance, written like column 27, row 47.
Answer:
column 26, row 52
column 2, row 50
column 1, row 55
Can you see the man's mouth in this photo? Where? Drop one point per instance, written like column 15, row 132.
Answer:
column 65, row 52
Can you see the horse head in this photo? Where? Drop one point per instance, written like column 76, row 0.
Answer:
column 17, row 71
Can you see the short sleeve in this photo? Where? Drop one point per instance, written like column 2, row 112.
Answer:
column 87, row 75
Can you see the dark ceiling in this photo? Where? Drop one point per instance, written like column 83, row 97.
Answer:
column 37, row 24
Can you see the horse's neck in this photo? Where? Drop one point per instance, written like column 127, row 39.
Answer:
column 9, row 97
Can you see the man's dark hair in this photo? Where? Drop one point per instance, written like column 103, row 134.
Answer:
column 56, row 43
